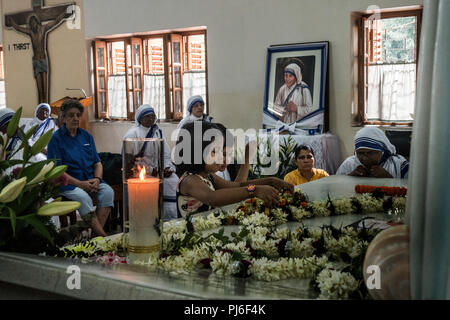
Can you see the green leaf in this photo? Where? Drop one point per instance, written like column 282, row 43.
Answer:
column 37, row 224
column 5, row 164
column 29, row 199
column 32, row 170
column 27, row 135
column 56, row 172
column 12, row 218
column 41, row 143
column 14, row 123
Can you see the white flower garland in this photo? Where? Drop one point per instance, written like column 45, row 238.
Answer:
column 335, row 284
column 286, row 254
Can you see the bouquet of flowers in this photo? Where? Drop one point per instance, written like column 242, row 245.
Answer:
column 29, row 194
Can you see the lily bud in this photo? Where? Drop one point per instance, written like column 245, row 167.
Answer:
column 56, row 172
column 40, row 176
column 12, row 190
column 58, row 208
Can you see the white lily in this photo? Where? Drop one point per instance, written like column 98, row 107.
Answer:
column 40, row 176
column 12, row 190
column 58, row 208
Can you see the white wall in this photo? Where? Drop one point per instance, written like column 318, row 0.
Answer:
column 238, row 34
column 66, row 56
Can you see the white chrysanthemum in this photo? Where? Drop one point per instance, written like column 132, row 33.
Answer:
column 203, row 251
column 256, row 231
column 398, row 205
column 284, row 268
column 174, row 226
column 343, row 206
column 257, row 219
column 221, row 263
column 265, row 269
column 302, row 249
column 213, row 243
column 167, row 239
column 238, row 215
column 315, row 233
column 268, row 246
column 335, row 284
column 281, row 233
column 279, row 216
column 320, row 209
column 350, row 232
column 239, row 247
column 210, row 222
column 300, row 213
column 369, row 203
column 177, row 264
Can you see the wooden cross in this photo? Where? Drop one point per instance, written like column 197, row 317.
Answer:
column 36, row 24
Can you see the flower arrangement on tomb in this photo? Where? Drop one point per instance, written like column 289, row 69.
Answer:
column 331, row 258
column 29, row 194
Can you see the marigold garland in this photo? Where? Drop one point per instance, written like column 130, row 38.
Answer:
column 390, row 191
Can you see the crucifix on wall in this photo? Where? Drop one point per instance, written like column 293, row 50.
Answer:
column 36, row 24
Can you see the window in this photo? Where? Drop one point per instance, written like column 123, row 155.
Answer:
column 385, row 46
column 162, row 70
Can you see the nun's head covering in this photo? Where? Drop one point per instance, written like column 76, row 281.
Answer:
column 5, row 116
column 141, row 112
column 192, row 101
column 42, row 106
column 374, row 139
column 295, row 70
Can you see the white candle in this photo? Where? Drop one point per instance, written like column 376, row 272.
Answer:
column 143, row 195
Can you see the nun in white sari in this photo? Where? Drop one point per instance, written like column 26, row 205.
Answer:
column 293, row 100
column 195, row 108
column 375, row 156
column 145, row 127
column 45, row 123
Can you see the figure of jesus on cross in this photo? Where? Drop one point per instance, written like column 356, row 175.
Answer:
column 36, row 24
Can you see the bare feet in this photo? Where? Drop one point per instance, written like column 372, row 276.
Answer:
column 97, row 228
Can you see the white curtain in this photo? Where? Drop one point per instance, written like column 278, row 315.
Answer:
column 391, row 92
column 428, row 203
column 154, row 94
column 117, row 96
column 194, row 83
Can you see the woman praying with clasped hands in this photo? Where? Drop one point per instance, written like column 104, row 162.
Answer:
column 375, row 156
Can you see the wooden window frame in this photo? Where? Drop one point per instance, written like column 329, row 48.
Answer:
column 100, row 44
column 144, row 53
column 360, row 65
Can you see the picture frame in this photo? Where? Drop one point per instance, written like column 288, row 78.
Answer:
column 291, row 104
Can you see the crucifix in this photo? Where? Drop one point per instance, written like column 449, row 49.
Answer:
column 36, row 24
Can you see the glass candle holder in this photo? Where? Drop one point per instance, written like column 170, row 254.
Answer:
column 143, row 177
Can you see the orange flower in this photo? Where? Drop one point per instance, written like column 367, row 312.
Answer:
column 283, row 202
column 303, row 204
column 391, row 191
column 230, row 220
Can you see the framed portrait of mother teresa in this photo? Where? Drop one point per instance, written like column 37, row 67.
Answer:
column 294, row 98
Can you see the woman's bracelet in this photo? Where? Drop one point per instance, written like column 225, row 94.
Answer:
column 99, row 179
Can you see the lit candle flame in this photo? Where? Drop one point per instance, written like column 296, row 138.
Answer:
column 142, row 174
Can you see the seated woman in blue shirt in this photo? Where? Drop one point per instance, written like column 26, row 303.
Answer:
column 75, row 147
